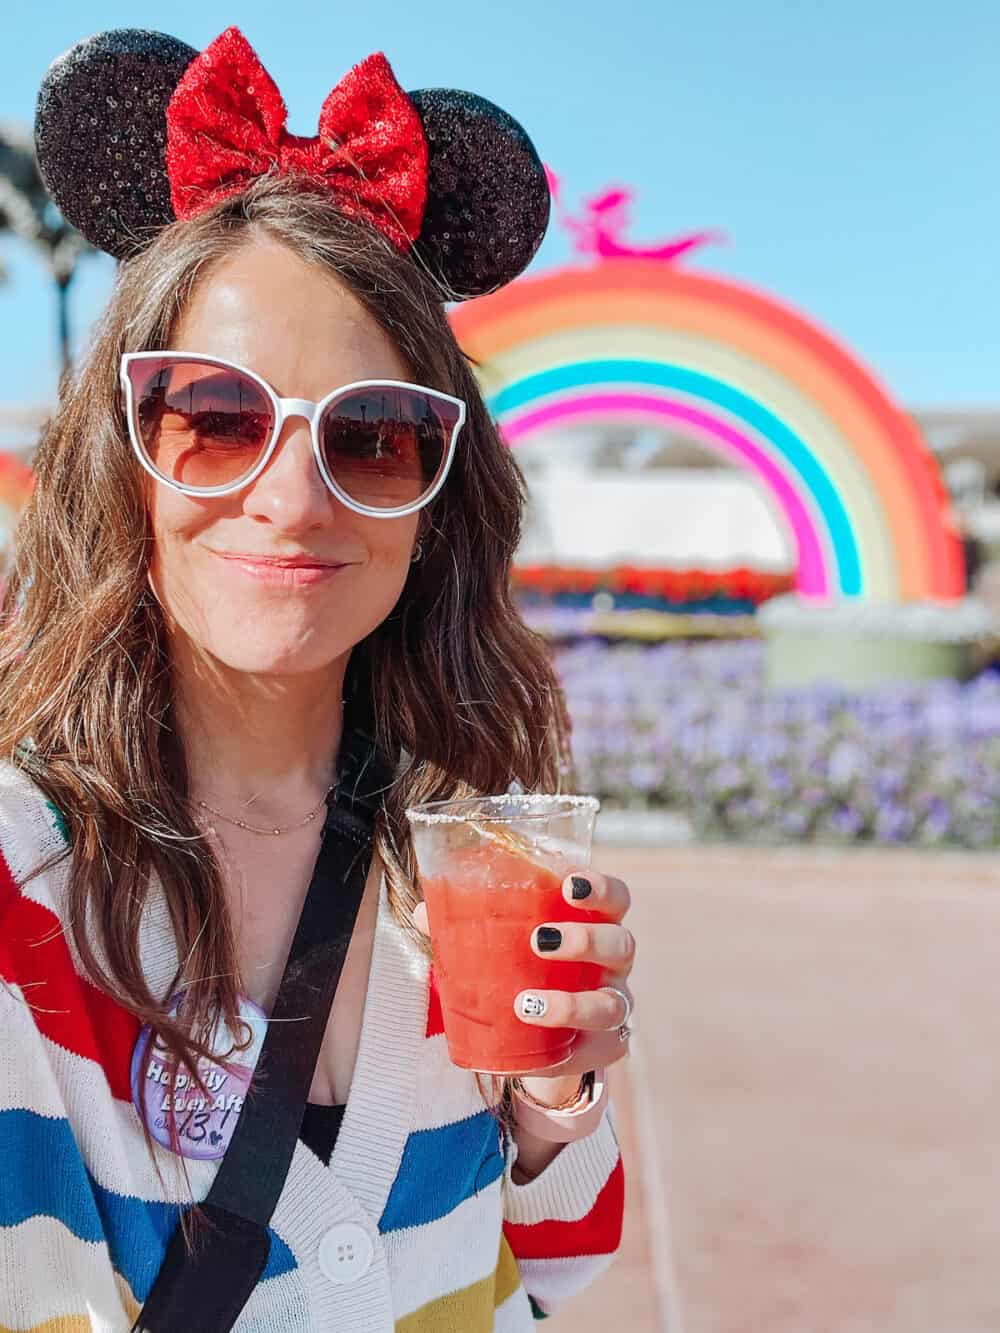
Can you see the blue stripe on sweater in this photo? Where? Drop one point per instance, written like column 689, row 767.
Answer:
column 42, row 1173
column 441, row 1168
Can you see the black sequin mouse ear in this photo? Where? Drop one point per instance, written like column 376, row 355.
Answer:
column 488, row 200
column 100, row 135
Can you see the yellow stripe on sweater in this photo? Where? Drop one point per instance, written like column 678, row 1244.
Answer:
column 60, row 1323
column 508, row 1275
column 471, row 1309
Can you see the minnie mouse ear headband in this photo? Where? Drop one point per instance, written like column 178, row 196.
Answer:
column 135, row 129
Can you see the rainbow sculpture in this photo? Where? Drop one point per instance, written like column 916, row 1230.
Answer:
column 639, row 340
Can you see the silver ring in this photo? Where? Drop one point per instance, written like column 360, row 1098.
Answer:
column 624, row 1030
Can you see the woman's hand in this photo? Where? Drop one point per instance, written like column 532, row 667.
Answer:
column 597, row 1015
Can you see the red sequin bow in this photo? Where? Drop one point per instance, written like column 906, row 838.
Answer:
column 226, row 126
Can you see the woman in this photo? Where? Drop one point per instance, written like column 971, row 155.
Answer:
column 174, row 668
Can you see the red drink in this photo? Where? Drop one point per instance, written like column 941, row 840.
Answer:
column 483, row 903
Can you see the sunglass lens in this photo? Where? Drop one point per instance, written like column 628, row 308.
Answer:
column 199, row 424
column 385, row 445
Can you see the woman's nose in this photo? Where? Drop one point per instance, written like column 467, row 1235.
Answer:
column 290, row 493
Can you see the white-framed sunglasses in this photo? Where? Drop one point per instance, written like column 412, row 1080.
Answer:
column 205, row 426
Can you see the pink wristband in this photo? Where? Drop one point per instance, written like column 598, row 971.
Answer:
column 575, row 1122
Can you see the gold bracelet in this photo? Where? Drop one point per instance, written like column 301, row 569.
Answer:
column 586, row 1085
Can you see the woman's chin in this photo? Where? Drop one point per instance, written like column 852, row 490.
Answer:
column 268, row 657
column 290, row 638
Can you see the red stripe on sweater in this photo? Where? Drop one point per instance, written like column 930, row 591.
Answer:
column 599, row 1232
column 67, row 1009
column 435, row 1021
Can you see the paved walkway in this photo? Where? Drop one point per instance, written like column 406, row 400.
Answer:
column 811, row 1113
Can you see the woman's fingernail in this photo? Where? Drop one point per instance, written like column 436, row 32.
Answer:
column 548, row 939
column 533, row 1006
column 582, row 888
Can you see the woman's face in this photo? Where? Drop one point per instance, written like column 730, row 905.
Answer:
column 215, row 564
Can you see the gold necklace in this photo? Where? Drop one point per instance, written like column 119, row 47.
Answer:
column 268, row 832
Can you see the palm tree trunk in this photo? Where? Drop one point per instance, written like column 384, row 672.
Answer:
column 62, row 293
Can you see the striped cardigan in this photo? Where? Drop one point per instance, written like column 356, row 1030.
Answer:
column 418, row 1194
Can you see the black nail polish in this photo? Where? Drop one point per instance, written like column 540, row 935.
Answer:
column 582, row 888
column 548, row 939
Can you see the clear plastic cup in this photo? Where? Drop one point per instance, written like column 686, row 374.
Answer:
column 491, row 870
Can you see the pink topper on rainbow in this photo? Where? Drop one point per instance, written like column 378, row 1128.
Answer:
column 601, row 229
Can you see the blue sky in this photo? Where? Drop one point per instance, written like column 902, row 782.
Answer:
column 850, row 149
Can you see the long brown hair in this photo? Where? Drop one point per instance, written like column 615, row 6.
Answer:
column 464, row 696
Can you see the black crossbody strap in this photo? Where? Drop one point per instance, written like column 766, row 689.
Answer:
column 204, row 1291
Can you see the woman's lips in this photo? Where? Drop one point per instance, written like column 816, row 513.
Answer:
column 284, row 571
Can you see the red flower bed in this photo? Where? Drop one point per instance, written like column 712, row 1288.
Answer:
column 671, row 585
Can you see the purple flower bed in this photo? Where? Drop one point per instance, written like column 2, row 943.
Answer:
column 693, row 727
